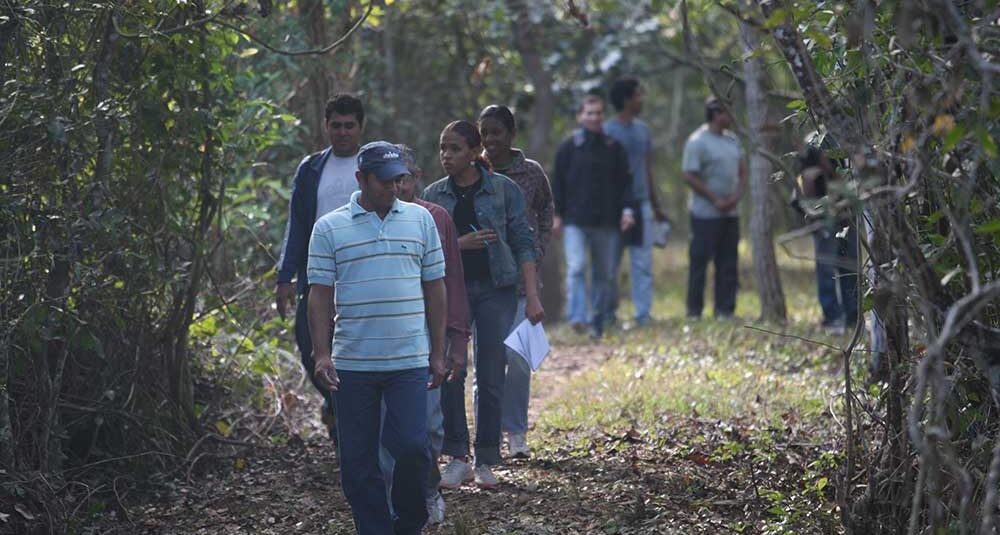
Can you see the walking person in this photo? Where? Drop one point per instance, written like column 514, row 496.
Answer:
column 384, row 259
column 715, row 171
column 591, row 189
column 456, row 333
column 634, row 136
column 496, row 242
column 497, row 128
column 323, row 181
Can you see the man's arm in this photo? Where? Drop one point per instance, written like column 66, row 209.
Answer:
column 654, row 200
column 435, row 309
column 294, row 247
column 622, row 186
column 320, row 303
column 559, row 171
column 457, row 330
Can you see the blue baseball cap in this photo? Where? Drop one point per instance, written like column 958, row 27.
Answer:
column 383, row 159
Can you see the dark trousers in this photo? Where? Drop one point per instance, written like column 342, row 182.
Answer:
column 492, row 311
column 715, row 239
column 836, row 273
column 359, row 402
column 304, row 341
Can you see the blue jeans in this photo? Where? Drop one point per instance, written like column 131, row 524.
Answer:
column 517, row 388
column 640, row 259
column 715, row 239
column 491, row 310
column 435, row 430
column 603, row 242
column 304, row 341
column 404, row 433
column 836, row 273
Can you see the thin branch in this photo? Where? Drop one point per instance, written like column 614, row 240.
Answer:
column 964, row 36
column 311, row 52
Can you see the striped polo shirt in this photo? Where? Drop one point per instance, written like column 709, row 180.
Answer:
column 376, row 267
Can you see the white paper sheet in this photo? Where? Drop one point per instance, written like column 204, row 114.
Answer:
column 530, row 342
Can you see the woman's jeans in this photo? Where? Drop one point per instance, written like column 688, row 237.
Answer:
column 491, row 311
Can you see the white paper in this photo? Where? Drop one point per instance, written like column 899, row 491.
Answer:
column 530, row 342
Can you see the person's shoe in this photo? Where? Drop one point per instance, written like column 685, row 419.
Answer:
column 578, row 327
column 517, row 445
column 594, row 333
column 454, row 474
column 435, row 509
column 485, row 478
column 835, row 326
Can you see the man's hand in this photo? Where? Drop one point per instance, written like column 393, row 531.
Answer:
column 659, row 214
column 628, row 221
column 437, row 371
column 533, row 310
column 284, row 294
column 557, row 226
column 479, row 239
column 324, row 372
column 458, row 358
column 725, row 204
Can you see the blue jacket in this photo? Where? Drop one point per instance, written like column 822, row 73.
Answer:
column 500, row 206
column 301, row 217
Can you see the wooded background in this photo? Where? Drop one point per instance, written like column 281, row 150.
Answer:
column 148, row 148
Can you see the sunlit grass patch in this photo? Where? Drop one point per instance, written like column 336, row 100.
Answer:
column 700, row 369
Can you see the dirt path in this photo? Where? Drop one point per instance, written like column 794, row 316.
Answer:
column 294, row 487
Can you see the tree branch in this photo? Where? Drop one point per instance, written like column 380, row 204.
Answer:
column 311, row 52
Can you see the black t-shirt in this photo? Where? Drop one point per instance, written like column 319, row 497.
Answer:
column 475, row 262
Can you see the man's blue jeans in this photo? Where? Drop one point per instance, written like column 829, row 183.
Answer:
column 359, row 401
column 517, row 388
column 491, row 311
column 435, row 430
column 602, row 242
column 836, row 273
column 640, row 259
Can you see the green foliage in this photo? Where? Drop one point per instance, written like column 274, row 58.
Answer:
column 130, row 157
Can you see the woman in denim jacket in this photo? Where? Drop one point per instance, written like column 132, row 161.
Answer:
column 496, row 240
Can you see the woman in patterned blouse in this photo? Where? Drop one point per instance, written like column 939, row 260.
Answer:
column 497, row 128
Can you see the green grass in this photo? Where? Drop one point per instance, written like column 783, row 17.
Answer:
column 725, row 393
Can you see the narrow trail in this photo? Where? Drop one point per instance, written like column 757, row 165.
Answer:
column 294, row 487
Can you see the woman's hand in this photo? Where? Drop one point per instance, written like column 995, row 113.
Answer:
column 533, row 309
column 479, row 239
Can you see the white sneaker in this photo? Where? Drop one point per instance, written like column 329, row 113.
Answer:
column 517, row 445
column 435, row 509
column 454, row 474
column 485, row 478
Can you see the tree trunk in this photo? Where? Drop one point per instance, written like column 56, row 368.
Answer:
column 526, row 42
column 316, row 86
column 765, row 266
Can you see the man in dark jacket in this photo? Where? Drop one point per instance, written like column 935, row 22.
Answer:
column 591, row 188
column 323, row 182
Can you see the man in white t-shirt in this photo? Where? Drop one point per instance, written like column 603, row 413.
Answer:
column 323, row 182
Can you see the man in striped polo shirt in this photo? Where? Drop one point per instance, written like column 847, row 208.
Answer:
column 385, row 260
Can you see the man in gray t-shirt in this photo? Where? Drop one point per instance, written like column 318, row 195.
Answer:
column 714, row 169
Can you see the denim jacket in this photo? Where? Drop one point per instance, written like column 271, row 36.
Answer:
column 499, row 206
column 301, row 217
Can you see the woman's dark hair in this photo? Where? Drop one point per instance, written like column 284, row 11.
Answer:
column 470, row 133
column 623, row 89
column 344, row 104
column 501, row 113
